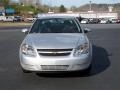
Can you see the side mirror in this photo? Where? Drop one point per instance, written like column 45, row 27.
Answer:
column 25, row 30
column 86, row 30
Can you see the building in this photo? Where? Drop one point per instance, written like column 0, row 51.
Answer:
column 108, row 15
column 93, row 14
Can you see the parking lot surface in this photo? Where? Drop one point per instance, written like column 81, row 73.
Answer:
column 105, row 73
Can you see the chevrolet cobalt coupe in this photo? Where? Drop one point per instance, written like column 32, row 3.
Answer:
column 55, row 44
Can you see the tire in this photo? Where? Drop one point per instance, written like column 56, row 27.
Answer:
column 25, row 71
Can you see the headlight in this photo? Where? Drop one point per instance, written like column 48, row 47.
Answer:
column 81, row 49
column 28, row 50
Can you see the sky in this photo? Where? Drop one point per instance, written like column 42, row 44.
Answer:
column 77, row 3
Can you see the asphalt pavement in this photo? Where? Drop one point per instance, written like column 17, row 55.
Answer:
column 105, row 73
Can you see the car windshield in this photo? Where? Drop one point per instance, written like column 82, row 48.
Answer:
column 56, row 25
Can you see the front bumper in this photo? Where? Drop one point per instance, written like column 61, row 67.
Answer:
column 73, row 63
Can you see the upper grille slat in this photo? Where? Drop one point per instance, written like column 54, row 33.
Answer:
column 54, row 52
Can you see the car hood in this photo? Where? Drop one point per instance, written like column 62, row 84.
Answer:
column 55, row 40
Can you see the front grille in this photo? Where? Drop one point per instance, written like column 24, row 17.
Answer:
column 54, row 67
column 54, row 52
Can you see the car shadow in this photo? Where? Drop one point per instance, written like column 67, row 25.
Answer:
column 100, row 63
column 100, row 60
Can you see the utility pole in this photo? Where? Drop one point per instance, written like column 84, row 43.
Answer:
column 50, row 5
column 40, row 2
column 90, row 5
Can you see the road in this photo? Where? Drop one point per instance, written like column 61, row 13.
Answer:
column 105, row 73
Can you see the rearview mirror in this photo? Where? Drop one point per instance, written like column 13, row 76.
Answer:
column 86, row 30
column 25, row 30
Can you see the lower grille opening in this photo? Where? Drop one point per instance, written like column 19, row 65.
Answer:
column 54, row 67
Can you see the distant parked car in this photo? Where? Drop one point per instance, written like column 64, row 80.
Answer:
column 80, row 18
column 105, row 21
column 2, row 17
column 8, row 19
column 85, row 21
column 30, row 19
column 94, row 21
column 118, row 21
column 114, row 20
column 17, row 18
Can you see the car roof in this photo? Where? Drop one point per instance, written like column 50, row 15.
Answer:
column 46, row 16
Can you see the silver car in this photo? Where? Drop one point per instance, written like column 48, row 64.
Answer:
column 55, row 44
